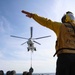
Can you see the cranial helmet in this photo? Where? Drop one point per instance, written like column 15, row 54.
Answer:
column 68, row 17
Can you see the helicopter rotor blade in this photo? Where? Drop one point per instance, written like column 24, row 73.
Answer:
column 31, row 29
column 43, row 37
column 18, row 37
column 37, row 42
column 24, row 43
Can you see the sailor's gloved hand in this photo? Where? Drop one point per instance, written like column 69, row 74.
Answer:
column 28, row 14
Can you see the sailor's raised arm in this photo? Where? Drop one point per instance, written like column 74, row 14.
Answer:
column 41, row 20
column 55, row 26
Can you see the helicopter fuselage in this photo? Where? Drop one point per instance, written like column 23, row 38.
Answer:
column 31, row 45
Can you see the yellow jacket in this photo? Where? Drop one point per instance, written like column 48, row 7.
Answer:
column 57, row 27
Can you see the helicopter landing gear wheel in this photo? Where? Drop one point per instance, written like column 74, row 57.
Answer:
column 35, row 49
column 28, row 49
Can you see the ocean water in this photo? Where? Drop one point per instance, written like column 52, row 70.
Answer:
column 40, row 74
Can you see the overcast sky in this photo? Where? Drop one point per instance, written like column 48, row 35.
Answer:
column 13, row 56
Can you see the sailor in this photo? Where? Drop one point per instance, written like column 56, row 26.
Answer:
column 65, row 44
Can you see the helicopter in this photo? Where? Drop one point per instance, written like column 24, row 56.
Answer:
column 30, row 41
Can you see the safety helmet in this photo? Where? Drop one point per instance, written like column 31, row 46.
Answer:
column 68, row 17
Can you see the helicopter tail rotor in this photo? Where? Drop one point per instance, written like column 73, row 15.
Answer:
column 24, row 43
column 37, row 42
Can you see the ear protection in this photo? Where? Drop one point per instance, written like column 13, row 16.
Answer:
column 69, row 17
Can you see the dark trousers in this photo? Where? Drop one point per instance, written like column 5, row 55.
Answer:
column 65, row 64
